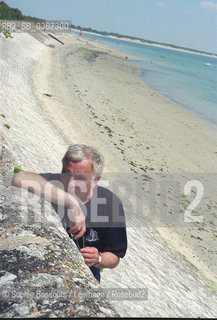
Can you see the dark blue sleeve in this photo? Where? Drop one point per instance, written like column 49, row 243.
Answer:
column 115, row 238
column 114, row 235
column 115, row 241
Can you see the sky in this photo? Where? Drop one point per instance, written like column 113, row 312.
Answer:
column 186, row 23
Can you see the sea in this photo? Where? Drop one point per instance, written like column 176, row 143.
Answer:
column 183, row 77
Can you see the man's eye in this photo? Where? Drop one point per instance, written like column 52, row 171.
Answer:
column 80, row 177
column 69, row 175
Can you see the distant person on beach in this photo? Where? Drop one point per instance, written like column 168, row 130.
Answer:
column 92, row 215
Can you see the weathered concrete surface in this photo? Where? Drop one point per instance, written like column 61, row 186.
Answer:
column 29, row 125
column 42, row 274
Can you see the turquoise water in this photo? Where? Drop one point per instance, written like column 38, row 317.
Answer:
column 180, row 76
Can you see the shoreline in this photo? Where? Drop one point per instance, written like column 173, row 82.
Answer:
column 211, row 55
column 206, row 122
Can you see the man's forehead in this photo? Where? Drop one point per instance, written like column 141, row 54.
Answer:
column 83, row 166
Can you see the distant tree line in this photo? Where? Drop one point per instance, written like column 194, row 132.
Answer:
column 8, row 13
column 105, row 33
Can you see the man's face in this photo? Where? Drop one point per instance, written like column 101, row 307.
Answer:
column 78, row 179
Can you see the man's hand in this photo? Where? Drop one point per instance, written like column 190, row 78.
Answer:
column 76, row 216
column 91, row 255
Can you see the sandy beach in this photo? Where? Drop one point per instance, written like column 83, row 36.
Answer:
column 85, row 92
column 151, row 44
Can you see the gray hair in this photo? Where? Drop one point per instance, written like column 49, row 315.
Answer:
column 79, row 152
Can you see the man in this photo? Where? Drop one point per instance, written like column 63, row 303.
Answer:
column 92, row 215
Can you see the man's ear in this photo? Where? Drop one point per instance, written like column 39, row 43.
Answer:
column 95, row 181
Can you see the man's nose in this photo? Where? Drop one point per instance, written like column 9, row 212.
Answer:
column 73, row 183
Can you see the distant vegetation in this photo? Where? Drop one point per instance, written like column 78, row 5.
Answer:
column 105, row 33
column 8, row 13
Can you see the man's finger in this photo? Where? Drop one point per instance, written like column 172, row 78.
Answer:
column 80, row 233
column 89, row 250
column 73, row 229
column 88, row 255
column 87, row 260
